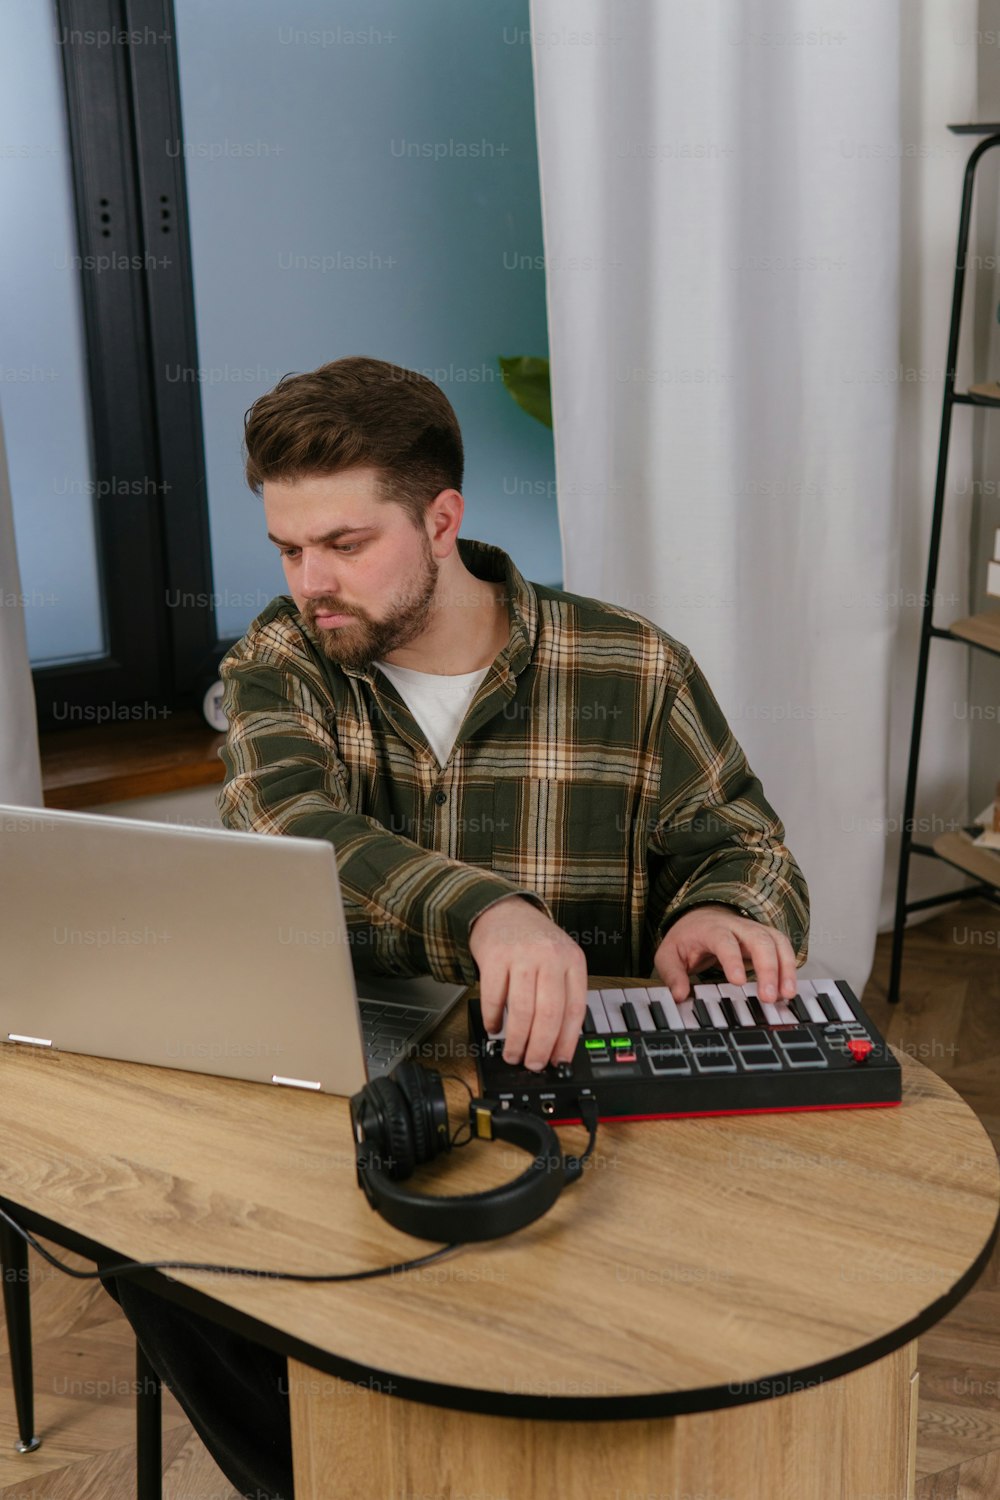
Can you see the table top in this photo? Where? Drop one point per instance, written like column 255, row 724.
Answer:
column 698, row 1263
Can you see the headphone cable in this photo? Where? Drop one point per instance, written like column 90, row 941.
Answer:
column 587, row 1105
column 574, row 1170
column 126, row 1268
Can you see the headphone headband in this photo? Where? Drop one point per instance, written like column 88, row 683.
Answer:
column 397, row 1125
column 474, row 1216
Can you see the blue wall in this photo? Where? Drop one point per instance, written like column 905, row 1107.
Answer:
column 363, row 179
column 43, row 389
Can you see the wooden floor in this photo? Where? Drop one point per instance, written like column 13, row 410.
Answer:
column 949, row 1019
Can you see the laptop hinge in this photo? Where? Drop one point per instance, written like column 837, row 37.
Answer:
column 29, row 1041
column 296, row 1083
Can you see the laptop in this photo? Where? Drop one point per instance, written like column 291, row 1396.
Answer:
column 205, row 949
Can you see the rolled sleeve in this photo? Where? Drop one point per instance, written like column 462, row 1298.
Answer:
column 716, row 837
column 408, row 910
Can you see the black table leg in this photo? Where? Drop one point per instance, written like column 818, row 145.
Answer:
column 148, row 1441
column 17, row 1310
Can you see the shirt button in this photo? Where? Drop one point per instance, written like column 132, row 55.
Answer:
column 440, row 798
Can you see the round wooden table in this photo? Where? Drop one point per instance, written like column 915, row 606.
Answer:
column 721, row 1309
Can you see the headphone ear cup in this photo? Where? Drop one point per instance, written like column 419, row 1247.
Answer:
column 396, row 1113
column 415, row 1084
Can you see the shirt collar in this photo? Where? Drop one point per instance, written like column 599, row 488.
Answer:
column 491, row 563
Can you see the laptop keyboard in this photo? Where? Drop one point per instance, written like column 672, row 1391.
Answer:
column 388, row 1029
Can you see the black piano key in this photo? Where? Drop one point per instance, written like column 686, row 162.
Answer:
column 757, row 1011
column 589, row 1025
column 729, row 1011
column 799, row 1008
column 659, row 1015
column 703, row 1013
column 629, row 1016
column 841, row 989
column 827, row 1006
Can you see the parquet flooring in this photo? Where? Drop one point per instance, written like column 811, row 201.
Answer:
column 949, row 1018
column 85, row 1382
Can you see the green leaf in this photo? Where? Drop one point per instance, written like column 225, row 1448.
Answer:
column 527, row 379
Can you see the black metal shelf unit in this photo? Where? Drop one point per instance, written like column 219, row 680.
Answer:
column 982, row 631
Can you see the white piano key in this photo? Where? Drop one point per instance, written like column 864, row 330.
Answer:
column 710, row 994
column 613, row 1001
column 596, row 1007
column 770, row 1010
column 661, row 992
column 686, row 1008
column 786, row 1014
column 840, row 1005
column 808, row 993
column 640, row 1000
column 734, row 992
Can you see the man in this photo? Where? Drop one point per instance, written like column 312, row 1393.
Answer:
column 584, row 780
column 523, row 786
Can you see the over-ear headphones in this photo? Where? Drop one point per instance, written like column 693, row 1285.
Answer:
column 401, row 1120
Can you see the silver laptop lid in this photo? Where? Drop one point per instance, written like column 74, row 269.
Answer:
column 192, row 948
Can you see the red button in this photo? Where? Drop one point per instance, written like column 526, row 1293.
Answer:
column 859, row 1048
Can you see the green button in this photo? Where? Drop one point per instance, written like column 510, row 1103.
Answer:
column 595, row 1044
column 621, row 1041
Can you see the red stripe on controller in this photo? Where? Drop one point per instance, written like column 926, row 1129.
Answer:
column 767, row 1109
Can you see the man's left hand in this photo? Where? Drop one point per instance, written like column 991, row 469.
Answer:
column 720, row 933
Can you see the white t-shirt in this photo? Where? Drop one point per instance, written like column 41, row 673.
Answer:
column 439, row 704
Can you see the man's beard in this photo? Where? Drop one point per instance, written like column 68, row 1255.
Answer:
column 365, row 639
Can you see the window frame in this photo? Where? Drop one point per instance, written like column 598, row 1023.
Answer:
column 148, row 459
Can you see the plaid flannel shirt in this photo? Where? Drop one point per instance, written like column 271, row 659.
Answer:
column 594, row 774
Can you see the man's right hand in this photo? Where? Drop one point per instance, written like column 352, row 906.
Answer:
column 534, row 968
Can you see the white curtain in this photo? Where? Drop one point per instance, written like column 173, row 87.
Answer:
column 721, row 200
column 20, row 769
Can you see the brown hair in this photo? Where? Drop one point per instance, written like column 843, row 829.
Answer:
column 357, row 411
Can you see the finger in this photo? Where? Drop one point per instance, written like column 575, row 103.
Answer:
column 671, row 970
column 787, row 966
column 520, row 1009
column 573, row 1015
column 493, row 994
column 550, row 1008
column 763, row 956
column 730, row 956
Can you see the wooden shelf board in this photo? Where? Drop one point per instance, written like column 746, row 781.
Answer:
column 982, row 629
column 114, row 762
column 985, row 393
column 958, row 849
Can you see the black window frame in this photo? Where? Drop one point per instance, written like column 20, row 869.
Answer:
column 150, row 499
